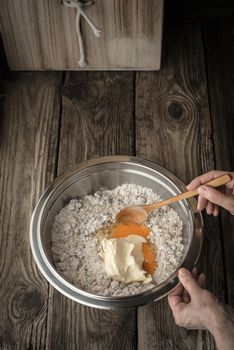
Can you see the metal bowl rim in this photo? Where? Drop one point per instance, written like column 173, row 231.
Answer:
column 54, row 276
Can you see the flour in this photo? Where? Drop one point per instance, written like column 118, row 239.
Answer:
column 76, row 247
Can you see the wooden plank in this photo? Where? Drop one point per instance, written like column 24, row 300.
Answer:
column 199, row 8
column 219, row 34
column 19, row 30
column 3, row 60
column 97, row 120
column 42, row 35
column 29, row 137
column 132, row 34
column 173, row 128
column 97, row 116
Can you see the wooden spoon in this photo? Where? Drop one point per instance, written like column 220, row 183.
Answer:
column 139, row 214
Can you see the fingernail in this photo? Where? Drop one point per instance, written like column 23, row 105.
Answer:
column 202, row 190
column 183, row 272
column 188, row 187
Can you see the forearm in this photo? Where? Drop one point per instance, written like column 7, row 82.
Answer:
column 222, row 327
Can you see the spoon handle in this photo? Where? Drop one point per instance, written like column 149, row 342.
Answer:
column 219, row 181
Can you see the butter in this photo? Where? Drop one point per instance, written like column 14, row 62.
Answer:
column 123, row 259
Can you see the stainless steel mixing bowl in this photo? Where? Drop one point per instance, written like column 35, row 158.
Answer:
column 88, row 177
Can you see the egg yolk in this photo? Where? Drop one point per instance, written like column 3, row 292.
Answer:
column 124, row 230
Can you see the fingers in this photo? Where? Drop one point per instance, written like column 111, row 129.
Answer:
column 216, row 210
column 200, row 180
column 188, row 282
column 190, row 285
column 186, row 296
column 201, row 280
column 212, row 208
column 201, row 203
column 175, row 297
column 209, row 208
column 216, row 197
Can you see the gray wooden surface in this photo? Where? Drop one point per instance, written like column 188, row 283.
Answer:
column 180, row 117
column 42, row 34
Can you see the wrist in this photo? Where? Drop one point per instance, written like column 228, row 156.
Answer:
column 222, row 326
column 220, row 320
column 217, row 317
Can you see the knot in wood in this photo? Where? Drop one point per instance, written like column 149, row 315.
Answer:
column 26, row 303
column 175, row 110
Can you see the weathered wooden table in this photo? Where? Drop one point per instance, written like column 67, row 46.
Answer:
column 180, row 117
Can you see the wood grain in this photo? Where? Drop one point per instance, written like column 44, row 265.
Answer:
column 97, row 120
column 97, row 116
column 28, row 144
column 173, row 128
column 42, row 35
column 132, row 34
column 221, row 86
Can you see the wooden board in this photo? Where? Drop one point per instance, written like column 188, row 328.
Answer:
column 97, row 120
column 219, row 45
column 42, row 35
column 173, row 128
column 29, row 136
column 200, row 8
column 97, row 116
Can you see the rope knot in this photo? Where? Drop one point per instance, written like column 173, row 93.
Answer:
column 97, row 32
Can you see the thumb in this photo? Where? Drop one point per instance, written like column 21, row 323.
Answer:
column 188, row 281
column 216, row 197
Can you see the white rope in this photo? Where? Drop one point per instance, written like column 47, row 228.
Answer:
column 97, row 32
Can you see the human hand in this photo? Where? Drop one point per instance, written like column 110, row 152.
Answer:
column 196, row 308
column 211, row 198
column 192, row 305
